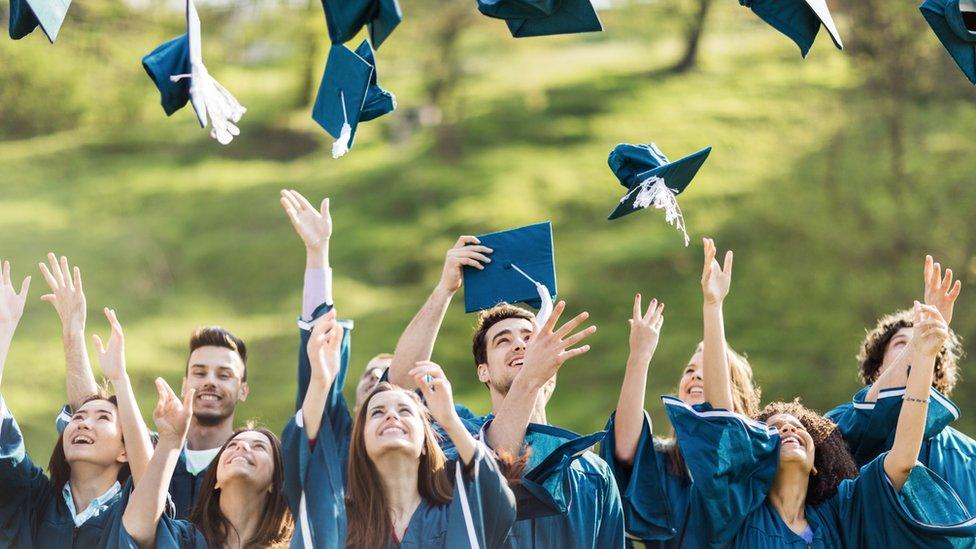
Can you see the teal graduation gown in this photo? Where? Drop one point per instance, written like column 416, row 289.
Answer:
column 869, row 429
column 865, row 512
column 33, row 514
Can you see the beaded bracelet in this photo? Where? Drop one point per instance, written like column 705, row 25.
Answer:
column 913, row 399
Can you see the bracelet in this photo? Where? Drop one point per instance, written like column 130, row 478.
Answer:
column 906, row 398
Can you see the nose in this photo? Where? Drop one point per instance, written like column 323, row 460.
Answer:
column 787, row 429
column 519, row 343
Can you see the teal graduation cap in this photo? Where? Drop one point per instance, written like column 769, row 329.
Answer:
column 799, row 20
column 172, row 57
column 26, row 15
column 543, row 17
column 345, row 18
column 349, row 94
column 522, row 270
column 652, row 180
column 954, row 23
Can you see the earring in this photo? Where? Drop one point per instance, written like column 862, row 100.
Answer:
column 815, row 472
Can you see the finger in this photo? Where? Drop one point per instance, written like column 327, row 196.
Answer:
column 464, row 240
column 567, row 328
column 5, row 278
column 576, row 338
column 113, row 320
column 573, row 353
column 66, row 273
column 97, row 341
column 954, row 292
column 554, row 317
column 439, row 384
column 657, row 313
column 927, row 270
column 48, row 277
column 161, row 387
column 302, row 200
column 293, row 200
column 324, row 208
column 471, row 263
column 50, row 298
column 24, row 286
column 77, row 277
column 170, row 394
column 289, row 208
column 424, row 387
column 188, row 400
column 477, row 248
column 727, row 266
column 947, row 280
column 651, row 307
column 55, row 268
column 637, row 307
column 427, row 368
column 335, row 337
column 472, row 255
column 937, row 273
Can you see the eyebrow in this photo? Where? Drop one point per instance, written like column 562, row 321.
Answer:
column 221, row 367
column 95, row 411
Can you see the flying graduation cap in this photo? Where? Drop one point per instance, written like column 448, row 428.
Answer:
column 800, row 20
column 349, row 94
column 522, row 270
column 954, row 23
column 345, row 18
column 543, row 17
column 26, row 15
column 180, row 60
column 651, row 180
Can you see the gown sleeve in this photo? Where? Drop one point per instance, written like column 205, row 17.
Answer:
column 23, row 485
column 482, row 502
column 170, row 534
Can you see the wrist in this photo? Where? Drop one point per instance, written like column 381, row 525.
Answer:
column 121, row 379
column 713, row 304
column 170, row 442
column 317, row 255
column 639, row 358
column 443, row 292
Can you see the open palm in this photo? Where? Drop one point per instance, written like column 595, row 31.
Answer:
column 716, row 279
column 11, row 302
column 314, row 226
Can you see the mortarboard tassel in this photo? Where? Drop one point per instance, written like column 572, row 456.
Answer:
column 222, row 108
column 546, row 309
column 341, row 146
column 654, row 192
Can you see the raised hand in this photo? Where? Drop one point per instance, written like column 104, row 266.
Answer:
column 11, row 302
column 940, row 291
column 436, row 389
column 930, row 330
column 314, row 226
column 548, row 349
column 645, row 329
column 716, row 279
column 111, row 357
column 172, row 416
column 67, row 294
column 324, row 348
column 466, row 251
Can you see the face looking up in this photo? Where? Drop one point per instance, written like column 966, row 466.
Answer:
column 895, row 346
column 248, row 457
column 505, row 345
column 690, row 388
column 393, row 424
column 370, row 378
column 217, row 374
column 796, row 444
column 94, row 435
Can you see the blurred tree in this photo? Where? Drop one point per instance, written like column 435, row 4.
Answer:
column 694, row 27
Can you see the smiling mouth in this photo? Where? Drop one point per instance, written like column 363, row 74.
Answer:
column 696, row 391
column 209, row 397
column 241, row 459
column 393, row 430
column 793, row 440
column 82, row 439
column 517, row 362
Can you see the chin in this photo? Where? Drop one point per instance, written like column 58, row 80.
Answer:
column 693, row 399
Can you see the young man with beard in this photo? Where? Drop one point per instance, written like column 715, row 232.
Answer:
column 567, row 497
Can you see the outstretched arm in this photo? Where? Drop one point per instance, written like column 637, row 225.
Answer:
column 314, row 227
column 439, row 397
column 138, row 447
column 930, row 333
column 68, row 298
column 645, row 331
column 545, row 354
column 324, row 354
column 148, row 499
column 416, row 344
column 715, row 286
column 11, row 309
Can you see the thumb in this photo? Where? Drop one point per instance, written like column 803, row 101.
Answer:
column 324, row 209
column 160, row 388
column 24, row 286
column 98, row 344
column 188, row 400
column 50, row 298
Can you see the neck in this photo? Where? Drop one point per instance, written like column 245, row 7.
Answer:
column 243, row 506
column 788, row 496
column 399, row 478
column 88, row 481
column 207, row 437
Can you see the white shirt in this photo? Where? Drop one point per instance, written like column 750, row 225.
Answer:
column 199, row 460
column 95, row 506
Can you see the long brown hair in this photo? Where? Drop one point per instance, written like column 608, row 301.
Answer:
column 276, row 520
column 745, row 401
column 58, row 468
column 367, row 506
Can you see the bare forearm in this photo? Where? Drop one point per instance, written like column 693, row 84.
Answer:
column 464, row 443
column 629, row 419
column 6, row 337
column 895, row 375
column 911, row 421
column 148, row 499
column 417, row 342
column 138, row 446
column 507, row 430
column 80, row 380
column 715, row 377
column 314, row 405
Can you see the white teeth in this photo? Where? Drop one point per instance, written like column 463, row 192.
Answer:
column 209, row 397
column 82, row 439
column 394, row 430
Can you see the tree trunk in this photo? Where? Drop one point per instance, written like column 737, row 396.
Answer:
column 310, row 49
column 693, row 38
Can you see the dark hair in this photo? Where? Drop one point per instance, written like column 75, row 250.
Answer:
column 58, row 468
column 276, row 520
column 873, row 348
column 367, row 506
column 832, row 459
column 487, row 319
column 216, row 336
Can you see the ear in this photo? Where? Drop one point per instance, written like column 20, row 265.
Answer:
column 244, row 391
column 122, row 457
column 483, row 375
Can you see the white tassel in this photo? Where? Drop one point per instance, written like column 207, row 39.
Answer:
column 219, row 105
column 341, row 146
column 654, row 192
column 546, row 309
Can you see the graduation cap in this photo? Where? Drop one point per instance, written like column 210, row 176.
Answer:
column 651, row 180
column 345, row 18
column 26, row 15
column 522, row 269
column 543, row 17
column 349, row 94
column 800, row 20
column 180, row 60
column 954, row 23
